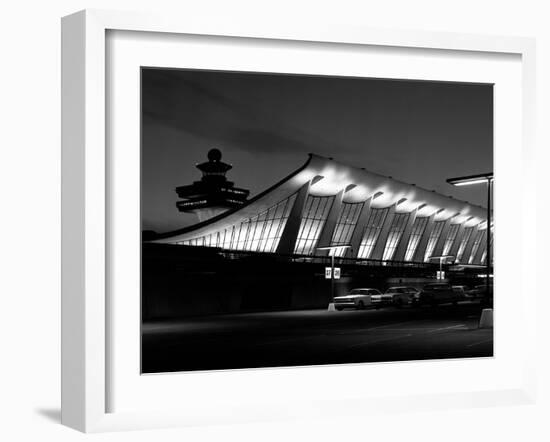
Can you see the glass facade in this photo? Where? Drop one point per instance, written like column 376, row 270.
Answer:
column 475, row 247
column 258, row 234
column 345, row 226
column 263, row 232
column 484, row 257
column 418, row 228
column 432, row 240
column 450, row 240
column 372, row 231
column 397, row 228
column 314, row 216
column 465, row 238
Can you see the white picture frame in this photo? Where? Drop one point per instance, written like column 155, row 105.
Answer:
column 86, row 204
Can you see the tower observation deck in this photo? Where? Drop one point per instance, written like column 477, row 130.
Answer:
column 213, row 194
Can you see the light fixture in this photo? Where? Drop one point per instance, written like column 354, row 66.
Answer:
column 471, row 179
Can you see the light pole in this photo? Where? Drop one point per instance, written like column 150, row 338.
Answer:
column 480, row 179
column 441, row 259
column 332, row 251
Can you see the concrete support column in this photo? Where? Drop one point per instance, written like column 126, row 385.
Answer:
column 287, row 243
column 399, row 254
column 482, row 247
column 330, row 224
column 438, row 249
column 378, row 250
column 421, row 248
column 469, row 245
column 357, row 235
column 454, row 247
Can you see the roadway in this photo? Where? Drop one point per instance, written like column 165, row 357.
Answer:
column 312, row 337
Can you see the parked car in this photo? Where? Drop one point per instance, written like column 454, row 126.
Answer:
column 437, row 293
column 357, row 298
column 479, row 291
column 461, row 290
column 397, row 296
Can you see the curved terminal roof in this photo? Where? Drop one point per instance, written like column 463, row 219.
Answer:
column 329, row 177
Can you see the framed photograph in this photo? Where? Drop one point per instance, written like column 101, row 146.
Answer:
column 265, row 222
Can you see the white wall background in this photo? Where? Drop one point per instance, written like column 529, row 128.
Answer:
column 30, row 220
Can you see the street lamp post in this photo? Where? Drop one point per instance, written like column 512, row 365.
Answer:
column 441, row 259
column 332, row 251
column 480, row 179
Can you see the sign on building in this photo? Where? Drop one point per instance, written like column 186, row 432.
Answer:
column 328, row 273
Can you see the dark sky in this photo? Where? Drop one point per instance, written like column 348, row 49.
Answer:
column 266, row 124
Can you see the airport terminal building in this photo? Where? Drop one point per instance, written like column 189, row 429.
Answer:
column 326, row 203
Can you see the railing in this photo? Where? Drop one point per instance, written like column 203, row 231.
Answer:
column 186, row 254
column 316, row 259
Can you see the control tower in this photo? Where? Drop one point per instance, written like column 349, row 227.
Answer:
column 213, row 194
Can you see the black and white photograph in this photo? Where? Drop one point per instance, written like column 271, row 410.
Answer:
column 300, row 220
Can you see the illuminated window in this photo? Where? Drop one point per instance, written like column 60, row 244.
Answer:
column 432, row 240
column 313, row 220
column 484, row 257
column 465, row 238
column 394, row 235
column 476, row 245
column 258, row 234
column 269, row 225
column 451, row 236
column 372, row 231
column 418, row 228
column 345, row 226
